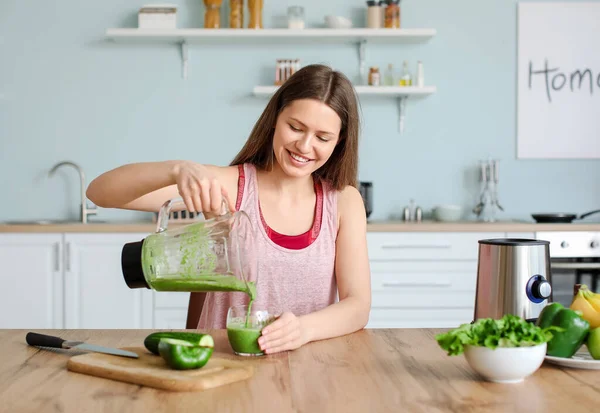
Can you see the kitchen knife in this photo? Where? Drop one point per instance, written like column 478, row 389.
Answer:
column 35, row 339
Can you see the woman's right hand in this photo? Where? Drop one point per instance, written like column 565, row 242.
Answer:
column 200, row 188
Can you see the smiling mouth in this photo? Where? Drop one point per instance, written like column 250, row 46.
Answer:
column 299, row 158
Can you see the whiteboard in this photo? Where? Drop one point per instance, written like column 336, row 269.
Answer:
column 558, row 80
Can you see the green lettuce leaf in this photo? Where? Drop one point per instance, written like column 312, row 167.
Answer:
column 509, row 331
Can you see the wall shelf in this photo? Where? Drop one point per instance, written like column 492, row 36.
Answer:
column 356, row 36
column 237, row 36
column 390, row 91
column 185, row 37
column 401, row 93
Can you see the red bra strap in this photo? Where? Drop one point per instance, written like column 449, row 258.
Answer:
column 240, row 191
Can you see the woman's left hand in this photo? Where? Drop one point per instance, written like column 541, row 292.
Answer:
column 285, row 333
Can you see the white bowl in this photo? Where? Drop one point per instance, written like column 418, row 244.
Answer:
column 505, row 364
column 447, row 212
column 337, row 22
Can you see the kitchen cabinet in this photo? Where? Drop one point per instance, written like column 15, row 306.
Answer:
column 425, row 279
column 58, row 280
column 74, row 280
column 170, row 309
column 32, row 279
column 95, row 293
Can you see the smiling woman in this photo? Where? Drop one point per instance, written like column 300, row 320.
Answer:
column 296, row 179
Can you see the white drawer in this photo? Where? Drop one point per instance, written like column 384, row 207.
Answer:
column 386, row 246
column 169, row 299
column 452, row 277
column 422, row 300
column 419, row 319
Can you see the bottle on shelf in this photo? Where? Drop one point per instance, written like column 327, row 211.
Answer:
column 392, row 14
column 420, row 74
column 406, row 78
column 374, row 76
column 212, row 15
column 255, row 8
column 388, row 79
column 236, row 14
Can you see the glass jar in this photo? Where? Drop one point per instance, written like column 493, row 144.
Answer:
column 295, row 17
column 392, row 14
column 373, row 15
column 255, row 8
column 236, row 14
column 212, row 15
column 374, row 76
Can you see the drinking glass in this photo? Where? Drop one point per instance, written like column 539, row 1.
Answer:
column 244, row 328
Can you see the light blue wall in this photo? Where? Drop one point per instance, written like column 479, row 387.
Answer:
column 66, row 93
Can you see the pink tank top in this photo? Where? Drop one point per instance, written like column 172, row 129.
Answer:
column 301, row 281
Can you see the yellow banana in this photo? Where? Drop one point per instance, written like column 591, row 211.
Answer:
column 588, row 312
column 592, row 297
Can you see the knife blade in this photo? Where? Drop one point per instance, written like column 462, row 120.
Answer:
column 43, row 340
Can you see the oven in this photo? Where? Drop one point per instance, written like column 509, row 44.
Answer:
column 574, row 259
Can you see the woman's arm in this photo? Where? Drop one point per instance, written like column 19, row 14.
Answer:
column 352, row 271
column 353, row 276
column 141, row 186
column 146, row 186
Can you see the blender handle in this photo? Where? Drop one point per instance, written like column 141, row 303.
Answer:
column 163, row 215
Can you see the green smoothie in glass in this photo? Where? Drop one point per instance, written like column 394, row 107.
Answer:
column 244, row 327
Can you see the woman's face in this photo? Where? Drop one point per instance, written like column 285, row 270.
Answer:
column 306, row 134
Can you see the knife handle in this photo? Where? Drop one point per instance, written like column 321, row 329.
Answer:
column 35, row 339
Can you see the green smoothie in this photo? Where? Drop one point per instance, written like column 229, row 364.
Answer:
column 196, row 270
column 205, row 282
column 244, row 340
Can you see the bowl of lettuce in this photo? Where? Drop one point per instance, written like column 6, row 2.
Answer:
column 504, row 351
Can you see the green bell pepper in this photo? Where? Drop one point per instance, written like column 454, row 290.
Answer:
column 571, row 333
column 183, row 355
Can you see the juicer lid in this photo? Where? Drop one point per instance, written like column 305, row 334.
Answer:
column 131, row 265
column 514, row 242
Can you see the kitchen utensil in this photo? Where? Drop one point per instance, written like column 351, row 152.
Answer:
column 560, row 218
column 212, row 255
column 366, row 191
column 488, row 205
column 43, row 340
column 513, row 277
column 152, row 371
column 505, row 364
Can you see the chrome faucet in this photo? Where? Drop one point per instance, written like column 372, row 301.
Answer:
column 85, row 210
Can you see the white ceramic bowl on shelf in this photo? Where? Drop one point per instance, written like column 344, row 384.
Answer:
column 505, row 364
column 447, row 213
column 337, row 22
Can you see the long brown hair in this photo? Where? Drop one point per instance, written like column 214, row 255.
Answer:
column 328, row 86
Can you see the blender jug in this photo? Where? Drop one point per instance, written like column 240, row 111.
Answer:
column 209, row 255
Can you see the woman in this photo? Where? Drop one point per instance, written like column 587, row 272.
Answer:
column 296, row 179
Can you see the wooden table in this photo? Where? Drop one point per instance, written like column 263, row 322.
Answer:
column 368, row 371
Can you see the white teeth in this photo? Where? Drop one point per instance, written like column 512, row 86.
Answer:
column 299, row 158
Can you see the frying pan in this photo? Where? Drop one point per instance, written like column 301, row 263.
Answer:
column 560, row 218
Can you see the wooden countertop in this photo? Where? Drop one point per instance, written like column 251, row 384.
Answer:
column 374, row 226
column 368, row 371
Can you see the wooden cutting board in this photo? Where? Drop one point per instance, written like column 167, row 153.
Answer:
column 152, row 371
